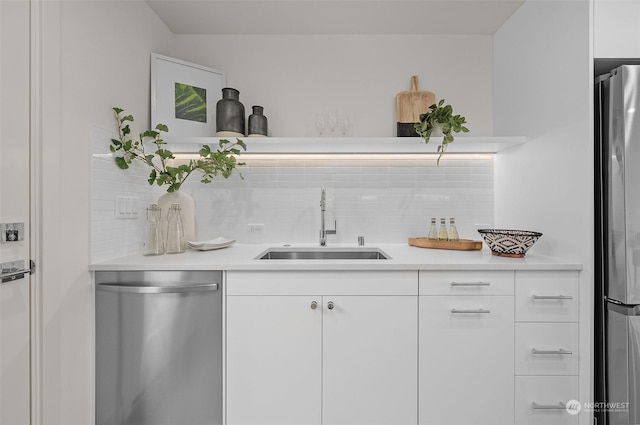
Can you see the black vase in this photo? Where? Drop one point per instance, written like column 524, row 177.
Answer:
column 230, row 114
column 257, row 122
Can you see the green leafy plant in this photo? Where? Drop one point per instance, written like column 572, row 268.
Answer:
column 210, row 164
column 440, row 115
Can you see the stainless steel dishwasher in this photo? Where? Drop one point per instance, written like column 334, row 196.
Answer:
column 159, row 348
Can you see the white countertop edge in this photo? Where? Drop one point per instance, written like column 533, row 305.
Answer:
column 403, row 257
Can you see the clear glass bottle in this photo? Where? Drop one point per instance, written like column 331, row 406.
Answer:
column 175, row 233
column 433, row 232
column 153, row 244
column 453, row 231
column 443, row 235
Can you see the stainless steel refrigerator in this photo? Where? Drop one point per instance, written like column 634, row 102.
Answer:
column 617, row 196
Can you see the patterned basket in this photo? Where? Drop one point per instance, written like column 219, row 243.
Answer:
column 509, row 243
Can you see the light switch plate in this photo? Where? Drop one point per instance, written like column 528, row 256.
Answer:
column 126, row 207
column 11, row 232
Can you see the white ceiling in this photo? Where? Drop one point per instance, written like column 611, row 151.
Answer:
column 334, row 16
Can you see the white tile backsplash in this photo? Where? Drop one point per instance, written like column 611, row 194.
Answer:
column 386, row 200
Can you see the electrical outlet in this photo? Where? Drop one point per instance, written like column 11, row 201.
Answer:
column 256, row 229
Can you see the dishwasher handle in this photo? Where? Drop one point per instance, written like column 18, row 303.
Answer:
column 144, row 289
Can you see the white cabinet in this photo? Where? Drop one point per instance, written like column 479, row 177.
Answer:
column 369, row 358
column 402, row 347
column 466, row 348
column 546, row 349
column 274, row 363
column 320, row 357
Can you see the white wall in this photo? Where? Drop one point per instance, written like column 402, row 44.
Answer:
column 543, row 94
column 95, row 56
column 295, row 77
column 542, row 89
column 15, row 167
column 616, row 29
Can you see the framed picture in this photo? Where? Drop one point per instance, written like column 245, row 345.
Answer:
column 184, row 96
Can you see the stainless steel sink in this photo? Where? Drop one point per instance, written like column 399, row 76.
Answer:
column 323, row 254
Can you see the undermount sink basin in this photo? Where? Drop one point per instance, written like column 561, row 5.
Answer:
column 323, row 254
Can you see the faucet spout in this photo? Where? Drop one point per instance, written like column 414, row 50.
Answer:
column 323, row 230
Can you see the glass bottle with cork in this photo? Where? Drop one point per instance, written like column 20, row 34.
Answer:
column 175, row 232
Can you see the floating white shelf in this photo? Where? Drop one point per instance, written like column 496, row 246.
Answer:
column 352, row 145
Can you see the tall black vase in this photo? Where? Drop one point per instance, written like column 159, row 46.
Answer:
column 230, row 118
column 257, row 122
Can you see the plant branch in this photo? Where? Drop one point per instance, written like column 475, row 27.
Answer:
column 211, row 163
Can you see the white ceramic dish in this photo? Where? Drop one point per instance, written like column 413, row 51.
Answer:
column 216, row 243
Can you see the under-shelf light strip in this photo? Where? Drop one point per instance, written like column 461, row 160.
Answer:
column 359, row 156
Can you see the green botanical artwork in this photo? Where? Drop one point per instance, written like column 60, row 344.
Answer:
column 191, row 103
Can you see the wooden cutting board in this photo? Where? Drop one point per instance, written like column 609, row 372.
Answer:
column 410, row 105
column 459, row 245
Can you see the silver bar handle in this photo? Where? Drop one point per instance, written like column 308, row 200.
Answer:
column 558, row 351
column 13, row 275
column 551, row 297
column 471, row 283
column 559, row 406
column 141, row 289
column 470, row 311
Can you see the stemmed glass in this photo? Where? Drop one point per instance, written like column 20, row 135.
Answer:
column 321, row 124
column 343, row 124
column 332, row 121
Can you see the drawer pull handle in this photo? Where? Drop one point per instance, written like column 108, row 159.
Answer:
column 330, row 305
column 314, row 305
column 559, row 406
column 551, row 297
column 470, row 311
column 559, row 351
column 470, row 284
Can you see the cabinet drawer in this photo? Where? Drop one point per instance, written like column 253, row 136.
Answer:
column 547, row 296
column 541, row 400
column 546, row 349
column 466, row 282
column 334, row 282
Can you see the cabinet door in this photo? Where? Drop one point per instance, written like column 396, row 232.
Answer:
column 274, row 360
column 370, row 360
column 466, row 360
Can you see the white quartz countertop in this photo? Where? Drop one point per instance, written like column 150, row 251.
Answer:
column 403, row 257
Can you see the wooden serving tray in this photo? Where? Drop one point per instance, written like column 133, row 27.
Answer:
column 459, row 245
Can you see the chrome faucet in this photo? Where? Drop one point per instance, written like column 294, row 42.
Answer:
column 323, row 231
